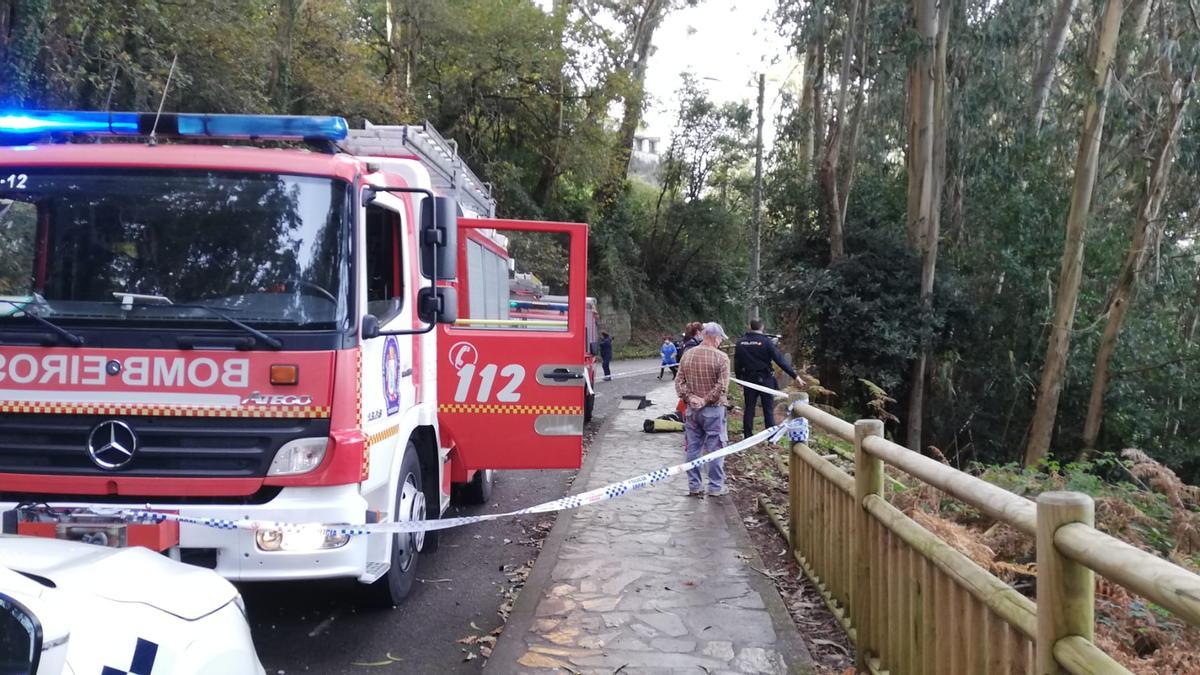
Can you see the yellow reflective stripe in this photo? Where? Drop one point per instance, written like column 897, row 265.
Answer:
column 501, row 408
column 375, row 439
column 381, row 436
column 131, row 409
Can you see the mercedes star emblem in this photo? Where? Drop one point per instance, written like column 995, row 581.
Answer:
column 111, row 444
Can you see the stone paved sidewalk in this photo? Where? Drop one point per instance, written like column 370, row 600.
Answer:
column 653, row 582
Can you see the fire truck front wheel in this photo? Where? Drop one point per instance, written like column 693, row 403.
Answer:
column 390, row 589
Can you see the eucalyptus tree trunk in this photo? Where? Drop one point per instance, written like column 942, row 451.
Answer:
column 279, row 84
column 920, row 124
column 641, row 36
column 818, row 106
column 1050, row 388
column 806, row 115
column 632, row 111
column 393, row 35
column 1140, row 11
column 1153, row 195
column 831, row 201
column 552, row 156
column 1044, row 77
column 927, row 130
column 400, row 32
column 847, row 179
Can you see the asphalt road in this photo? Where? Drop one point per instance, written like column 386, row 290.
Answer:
column 316, row 627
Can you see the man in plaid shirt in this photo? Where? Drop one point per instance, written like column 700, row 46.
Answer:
column 702, row 383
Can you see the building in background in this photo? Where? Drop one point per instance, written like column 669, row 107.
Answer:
column 644, row 159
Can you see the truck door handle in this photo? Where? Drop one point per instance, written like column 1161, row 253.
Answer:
column 560, row 375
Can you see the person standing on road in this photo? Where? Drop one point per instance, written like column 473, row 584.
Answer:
column 668, row 357
column 753, row 358
column 605, row 354
column 702, row 384
column 691, row 338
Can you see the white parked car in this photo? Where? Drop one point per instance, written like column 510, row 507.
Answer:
column 68, row 607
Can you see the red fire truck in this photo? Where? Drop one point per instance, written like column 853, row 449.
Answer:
column 267, row 318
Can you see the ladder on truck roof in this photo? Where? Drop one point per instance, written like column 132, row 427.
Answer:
column 451, row 175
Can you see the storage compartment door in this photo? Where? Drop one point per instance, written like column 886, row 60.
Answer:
column 511, row 376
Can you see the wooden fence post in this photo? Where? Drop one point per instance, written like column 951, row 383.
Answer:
column 868, row 480
column 1066, row 601
column 794, row 484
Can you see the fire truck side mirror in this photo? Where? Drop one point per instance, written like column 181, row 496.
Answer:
column 370, row 327
column 439, row 238
column 437, row 304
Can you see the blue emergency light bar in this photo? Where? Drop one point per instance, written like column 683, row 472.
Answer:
column 26, row 123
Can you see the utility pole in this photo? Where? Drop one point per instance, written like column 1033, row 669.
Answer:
column 756, row 223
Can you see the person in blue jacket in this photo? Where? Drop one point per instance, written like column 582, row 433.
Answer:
column 605, row 353
column 668, row 358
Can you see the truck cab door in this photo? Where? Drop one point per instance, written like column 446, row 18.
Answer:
column 386, row 383
column 511, row 369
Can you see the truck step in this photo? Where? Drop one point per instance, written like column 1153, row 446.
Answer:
column 375, row 570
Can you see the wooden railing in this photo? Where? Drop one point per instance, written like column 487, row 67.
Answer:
column 913, row 604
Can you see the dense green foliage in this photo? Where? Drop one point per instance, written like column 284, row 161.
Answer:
column 1005, row 196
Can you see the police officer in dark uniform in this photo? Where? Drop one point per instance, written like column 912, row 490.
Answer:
column 753, row 356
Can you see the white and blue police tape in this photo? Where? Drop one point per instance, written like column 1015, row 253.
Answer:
column 759, row 387
column 797, row 429
column 647, row 371
column 630, row 373
column 601, row 494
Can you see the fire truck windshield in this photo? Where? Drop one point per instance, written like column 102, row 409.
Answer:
column 86, row 247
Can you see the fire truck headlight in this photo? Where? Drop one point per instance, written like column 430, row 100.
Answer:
column 299, row 456
column 309, row 538
column 269, row 540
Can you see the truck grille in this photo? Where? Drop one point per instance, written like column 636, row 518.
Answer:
column 167, row 446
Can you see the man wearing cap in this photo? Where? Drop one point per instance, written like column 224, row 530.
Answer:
column 702, row 383
column 754, row 355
